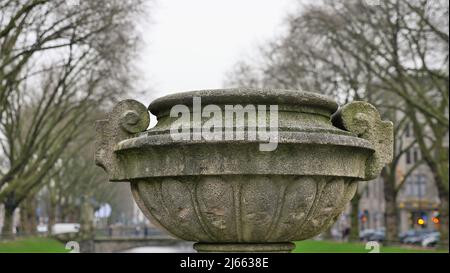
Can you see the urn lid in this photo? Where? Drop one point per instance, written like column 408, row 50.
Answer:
column 246, row 96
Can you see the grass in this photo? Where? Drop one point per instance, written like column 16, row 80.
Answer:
column 32, row 245
column 311, row 246
column 48, row 245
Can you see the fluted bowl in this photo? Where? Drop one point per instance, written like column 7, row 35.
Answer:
column 244, row 208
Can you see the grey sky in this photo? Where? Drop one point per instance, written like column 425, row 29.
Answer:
column 191, row 44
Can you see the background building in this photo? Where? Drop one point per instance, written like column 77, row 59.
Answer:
column 417, row 199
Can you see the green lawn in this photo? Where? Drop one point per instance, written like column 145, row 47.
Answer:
column 311, row 246
column 47, row 245
column 32, row 245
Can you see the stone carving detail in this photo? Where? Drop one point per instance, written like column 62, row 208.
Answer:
column 126, row 119
column 303, row 207
column 363, row 119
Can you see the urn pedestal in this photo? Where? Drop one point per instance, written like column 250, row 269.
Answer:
column 228, row 195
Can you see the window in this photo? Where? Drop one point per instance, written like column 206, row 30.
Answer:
column 409, row 184
column 408, row 157
column 407, row 133
column 416, row 155
column 416, row 185
column 421, row 185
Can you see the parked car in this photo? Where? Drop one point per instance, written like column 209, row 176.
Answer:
column 372, row 235
column 414, row 240
column 406, row 234
column 377, row 235
column 414, row 236
column 365, row 234
column 61, row 228
column 431, row 239
column 42, row 228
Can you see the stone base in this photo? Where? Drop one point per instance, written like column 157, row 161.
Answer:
column 245, row 247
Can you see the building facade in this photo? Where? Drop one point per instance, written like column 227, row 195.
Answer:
column 417, row 199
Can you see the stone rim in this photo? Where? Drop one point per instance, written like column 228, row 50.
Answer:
column 246, row 96
column 308, row 138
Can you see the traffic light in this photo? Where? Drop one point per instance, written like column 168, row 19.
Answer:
column 422, row 219
column 435, row 217
column 363, row 218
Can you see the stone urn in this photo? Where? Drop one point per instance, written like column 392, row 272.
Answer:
column 229, row 195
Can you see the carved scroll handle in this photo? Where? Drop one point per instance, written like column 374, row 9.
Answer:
column 363, row 119
column 127, row 118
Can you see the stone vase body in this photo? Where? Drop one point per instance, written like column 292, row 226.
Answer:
column 228, row 195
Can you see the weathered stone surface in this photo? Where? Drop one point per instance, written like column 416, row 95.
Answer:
column 246, row 96
column 244, row 209
column 227, row 194
column 127, row 118
column 230, row 247
column 363, row 119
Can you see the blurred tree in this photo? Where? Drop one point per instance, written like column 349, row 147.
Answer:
column 393, row 53
column 28, row 216
column 403, row 46
column 60, row 62
column 77, row 181
column 354, row 217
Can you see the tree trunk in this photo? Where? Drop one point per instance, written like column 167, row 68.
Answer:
column 442, row 187
column 391, row 220
column 28, row 216
column 51, row 217
column 354, row 221
column 391, row 211
column 86, row 220
column 8, row 222
column 443, row 217
column 443, row 225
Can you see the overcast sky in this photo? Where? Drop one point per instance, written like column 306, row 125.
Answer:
column 191, row 44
